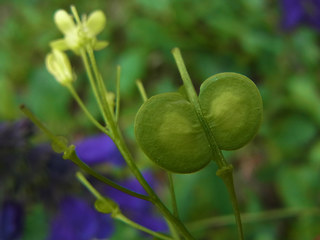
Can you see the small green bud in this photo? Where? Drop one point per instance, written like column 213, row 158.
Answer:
column 59, row 66
column 105, row 205
column 60, row 144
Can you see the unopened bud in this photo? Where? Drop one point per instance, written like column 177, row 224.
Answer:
column 59, row 66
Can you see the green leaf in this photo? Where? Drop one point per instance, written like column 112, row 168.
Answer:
column 298, row 186
column 132, row 64
column 292, row 132
column 36, row 224
column 48, row 100
column 8, row 106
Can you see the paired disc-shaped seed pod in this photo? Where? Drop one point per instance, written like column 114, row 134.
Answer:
column 171, row 133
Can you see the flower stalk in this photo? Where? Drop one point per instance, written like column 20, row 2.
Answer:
column 225, row 171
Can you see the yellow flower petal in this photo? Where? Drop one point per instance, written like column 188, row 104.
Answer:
column 59, row 44
column 64, row 21
column 96, row 22
column 100, row 45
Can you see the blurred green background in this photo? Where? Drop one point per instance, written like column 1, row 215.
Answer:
column 279, row 169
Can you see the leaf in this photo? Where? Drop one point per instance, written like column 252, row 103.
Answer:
column 298, row 186
column 36, row 224
column 132, row 67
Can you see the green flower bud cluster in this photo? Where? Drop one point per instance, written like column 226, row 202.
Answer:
column 78, row 35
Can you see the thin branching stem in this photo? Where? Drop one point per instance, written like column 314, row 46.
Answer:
column 126, row 220
column 118, row 94
column 173, row 196
column 74, row 158
column 86, row 111
column 116, row 214
column 122, row 146
column 142, row 90
column 225, row 171
column 92, row 83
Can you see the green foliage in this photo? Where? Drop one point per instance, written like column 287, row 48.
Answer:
column 36, row 224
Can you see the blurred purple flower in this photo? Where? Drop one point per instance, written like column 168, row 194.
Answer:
column 296, row 12
column 136, row 209
column 77, row 220
column 56, row 174
column 99, row 149
column 11, row 220
column 13, row 144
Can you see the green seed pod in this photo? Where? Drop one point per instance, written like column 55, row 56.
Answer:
column 232, row 105
column 169, row 130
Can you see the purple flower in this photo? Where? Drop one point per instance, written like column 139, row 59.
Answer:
column 296, row 12
column 138, row 210
column 77, row 220
column 11, row 220
column 99, row 149
column 56, row 174
column 13, row 144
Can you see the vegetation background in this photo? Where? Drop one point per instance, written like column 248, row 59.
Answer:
column 274, row 43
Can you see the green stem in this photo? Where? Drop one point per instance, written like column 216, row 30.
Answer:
column 173, row 196
column 226, row 174
column 75, row 14
column 102, row 90
column 126, row 220
column 142, row 90
column 193, row 98
column 85, row 110
column 252, row 217
column 71, row 155
column 92, row 82
column 225, row 169
column 87, row 66
column 191, row 92
column 154, row 198
column 117, row 214
column 88, row 185
column 118, row 94
column 173, row 231
column 37, row 122
column 74, row 158
column 174, row 205
column 120, row 143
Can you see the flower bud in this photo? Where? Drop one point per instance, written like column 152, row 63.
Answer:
column 59, row 66
column 107, row 206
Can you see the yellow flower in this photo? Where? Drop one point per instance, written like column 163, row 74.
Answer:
column 79, row 35
column 59, row 66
